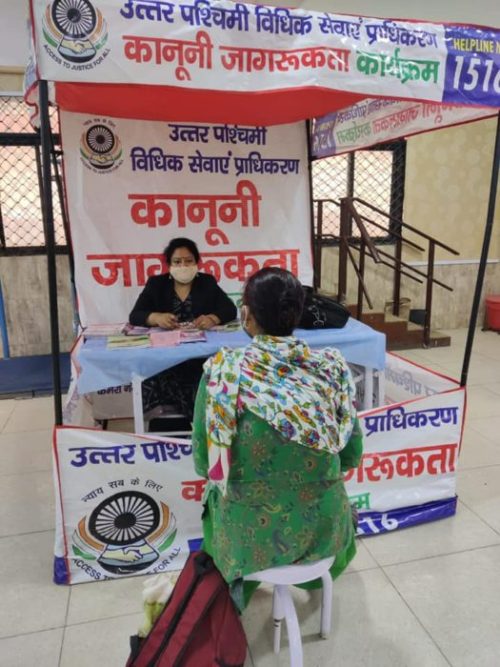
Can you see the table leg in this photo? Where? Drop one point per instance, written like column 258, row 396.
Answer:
column 381, row 386
column 368, row 398
column 137, row 402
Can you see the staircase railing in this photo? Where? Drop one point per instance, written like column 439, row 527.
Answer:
column 364, row 245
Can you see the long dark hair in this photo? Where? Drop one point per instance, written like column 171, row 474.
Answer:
column 276, row 299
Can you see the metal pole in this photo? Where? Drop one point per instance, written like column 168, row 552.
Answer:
column 314, row 250
column 48, row 219
column 484, row 257
column 362, row 250
column 319, row 238
column 397, row 186
column 428, row 293
column 64, row 215
column 345, row 223
column 351, row 158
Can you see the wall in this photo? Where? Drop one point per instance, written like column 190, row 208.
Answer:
column 25, row 291
column 447, row 185
column 450, row 310
column 11, row 79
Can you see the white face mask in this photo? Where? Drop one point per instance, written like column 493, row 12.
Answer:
column 183, row 274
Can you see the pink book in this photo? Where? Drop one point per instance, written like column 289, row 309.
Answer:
column 165, row 338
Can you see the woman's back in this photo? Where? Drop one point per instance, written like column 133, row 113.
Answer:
column 284, row 502
column 275, row 425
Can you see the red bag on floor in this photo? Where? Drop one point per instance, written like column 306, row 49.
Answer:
column 199, row 626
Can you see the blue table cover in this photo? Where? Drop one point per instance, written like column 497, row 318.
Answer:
column 102, row 367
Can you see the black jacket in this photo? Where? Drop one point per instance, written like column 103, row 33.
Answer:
column 206, row 296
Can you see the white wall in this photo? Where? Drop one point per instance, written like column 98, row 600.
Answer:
column 14, row 42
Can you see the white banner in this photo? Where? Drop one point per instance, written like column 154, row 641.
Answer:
column 130, row 504
column 405, row 380
column 222, row 45
column 375, row 121
column 410, row 453
column 241, row 193
column 125, row 504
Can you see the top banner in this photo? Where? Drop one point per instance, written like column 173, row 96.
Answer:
column 232, row 46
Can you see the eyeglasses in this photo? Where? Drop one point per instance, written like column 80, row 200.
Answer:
column 183, row 261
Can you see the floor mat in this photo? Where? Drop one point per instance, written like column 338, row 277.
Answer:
column 21, row 375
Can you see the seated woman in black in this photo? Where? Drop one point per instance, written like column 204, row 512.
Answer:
column 167, row 301
column 183, row 294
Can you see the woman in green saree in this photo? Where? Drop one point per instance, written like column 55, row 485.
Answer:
column 274, row 429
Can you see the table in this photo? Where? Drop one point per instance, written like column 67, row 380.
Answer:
column 101, row 368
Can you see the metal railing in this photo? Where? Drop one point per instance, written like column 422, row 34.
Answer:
column 363, row 243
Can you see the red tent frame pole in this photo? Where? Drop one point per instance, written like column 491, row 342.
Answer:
column 484, row 257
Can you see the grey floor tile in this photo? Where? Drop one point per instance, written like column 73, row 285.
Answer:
column 479, row 489
column 456, row 599
column 105, row 599
column 30, row 600
column 39, row 649
column 6, row 409
column 477, row 450
column 372, row 627
column 458, row 533
column 25, row 451
column 33, row 414
column 26, row 503
column 103, row 643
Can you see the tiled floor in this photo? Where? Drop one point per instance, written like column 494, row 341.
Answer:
column 425, row 597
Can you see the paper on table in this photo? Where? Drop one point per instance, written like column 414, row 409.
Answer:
column 165, row 338
column 102, row 330
column 234, row 325
column 131, row 330
column 118, row 342
column 192, row 336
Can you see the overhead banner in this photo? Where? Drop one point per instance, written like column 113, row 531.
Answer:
column 241, row 193
column 376, row 121
column 232, row 46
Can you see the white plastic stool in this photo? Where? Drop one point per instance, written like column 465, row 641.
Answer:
column 283, row 607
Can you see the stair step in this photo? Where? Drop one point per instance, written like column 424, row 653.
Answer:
column 395, row 318
column 388, row 324
column 400, row 333
column 368, row 317
column 414, row 339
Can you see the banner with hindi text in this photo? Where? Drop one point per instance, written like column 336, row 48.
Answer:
column 233, row 46
column 411, row 449
column 125, row 504
column 374, row 121
column 241, row 193
column 130, row 504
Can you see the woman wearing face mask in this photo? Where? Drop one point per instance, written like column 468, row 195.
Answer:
column 183, row 294
column 274, row 429
column 167, row 301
